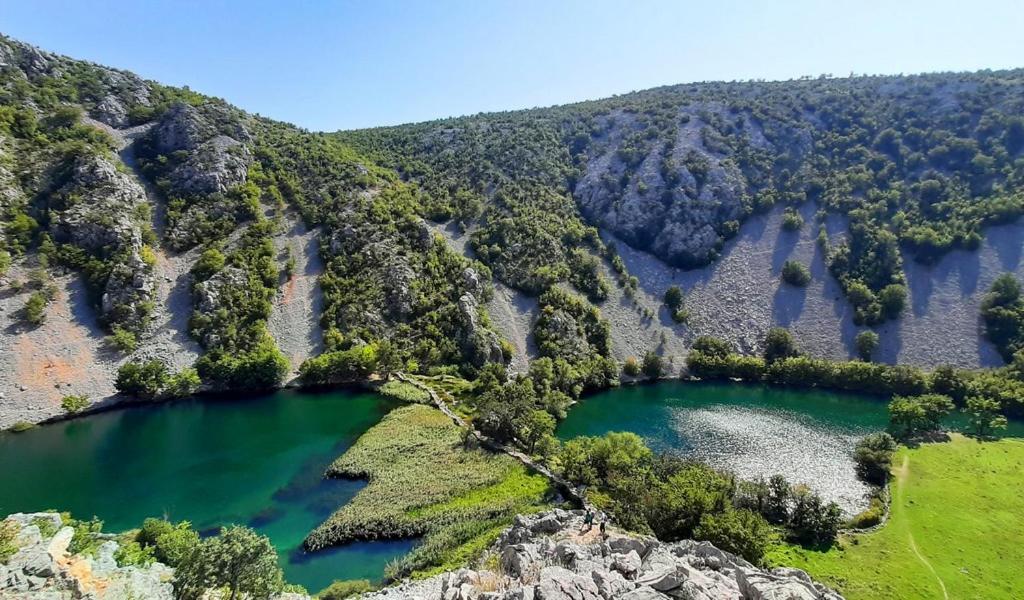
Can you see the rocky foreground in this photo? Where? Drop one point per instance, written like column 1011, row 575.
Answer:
column 43, row 567
column 551, row 556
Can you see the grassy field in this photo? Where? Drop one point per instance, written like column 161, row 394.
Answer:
column 956, row 529
column 424, row 482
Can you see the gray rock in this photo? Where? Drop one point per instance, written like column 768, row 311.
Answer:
column 559, row 583
column 643, row 593
column 610, row 584
column 479, row 344
column 758, row 585
column 627, row 564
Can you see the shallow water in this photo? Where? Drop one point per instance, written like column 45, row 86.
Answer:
column 257, row 461
column 754, row 431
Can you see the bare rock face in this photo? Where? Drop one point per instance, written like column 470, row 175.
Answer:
column 43, row 567
column 101, row 221
column 480, row 345
column 677, row 198
column 215, row 143
column 552, row 556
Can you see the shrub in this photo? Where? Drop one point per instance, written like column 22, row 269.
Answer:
column 74, row 403
column 873, row 455
column 20, row 426
column 795, row 273
column 631, row 367
column 170, row 543
column 892, row 298
column 739, row 531
column 791, row 220
column 8, row 539
column 340, row 366
column 210, row 262
column 778, row 344
column 123, row 340
column 5, row 262
column 1002, row 310
column 34, row 311
column 674, row 301
column 866, row 343
column 713, row 346
column 341, row 589
column 811, row 520
column 183, row 383
column 654, row 365
column 142, row 379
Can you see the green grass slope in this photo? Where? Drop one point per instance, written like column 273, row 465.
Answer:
column 956, row 529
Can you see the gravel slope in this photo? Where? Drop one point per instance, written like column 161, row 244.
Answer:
column 295, row 318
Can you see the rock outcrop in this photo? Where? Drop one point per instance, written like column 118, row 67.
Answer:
column 551, row 556
column 43, row 567
column 102, row 202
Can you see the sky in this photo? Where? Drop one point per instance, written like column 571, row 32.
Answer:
column 345, row 65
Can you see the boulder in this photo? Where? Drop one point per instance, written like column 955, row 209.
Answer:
column 627, row 564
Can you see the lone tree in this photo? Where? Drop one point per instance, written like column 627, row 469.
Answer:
column 779, row 344
column 867, row 342
column 874, row 457
column 674, row 301
column 911, row 415
column 238, row 559
column 795, row 273
column 983, row 416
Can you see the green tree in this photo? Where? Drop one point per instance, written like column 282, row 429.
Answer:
column 537, row 425
column 654, row 365
column 795, row 273
column 238, row 559
column 893, row 299
column 866, row 343
column 142, row 379
column 779, row 344
column 34, row 311
column 712, row 346
column 983, row 416
column 912, row 415
column 739, row 531
column 873, row 455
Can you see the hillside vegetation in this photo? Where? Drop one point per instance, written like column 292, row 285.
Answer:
column 108, row 175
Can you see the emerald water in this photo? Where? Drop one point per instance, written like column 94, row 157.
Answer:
column 257, row 461
column 754, row 431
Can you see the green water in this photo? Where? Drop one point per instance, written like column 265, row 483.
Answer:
column 753, row 431
column 255, row 461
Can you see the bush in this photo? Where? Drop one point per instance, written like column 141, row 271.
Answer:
column 341, row 589
column 1002, row 310
column 778, row 344
column 74, row 403
column 795, row 273
column 812, row 521
column 866, row 343
column 123, row 340
column 893, row 299
column 739, row 531
column 873, row 455
column 354, row 364
column 791, row 220
column 654, row 365
column 713, row 346
column 183, row 383
column 170, row 543
column 34, row 311
column 674, row 301
column 631, row 367
column 142, row 379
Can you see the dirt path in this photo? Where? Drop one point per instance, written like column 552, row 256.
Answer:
column 901, row 476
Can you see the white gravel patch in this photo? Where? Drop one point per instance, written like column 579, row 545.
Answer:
column 295, row 318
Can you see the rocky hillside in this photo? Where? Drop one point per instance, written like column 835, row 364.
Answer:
column 553, row 556
column 184, row 244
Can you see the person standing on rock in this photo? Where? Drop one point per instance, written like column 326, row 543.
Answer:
column 588, row 521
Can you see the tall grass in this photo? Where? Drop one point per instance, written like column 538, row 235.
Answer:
column 423, row 481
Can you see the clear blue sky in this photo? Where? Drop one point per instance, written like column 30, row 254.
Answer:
column 339, row 65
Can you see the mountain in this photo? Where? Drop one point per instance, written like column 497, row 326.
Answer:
column 148, row 229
